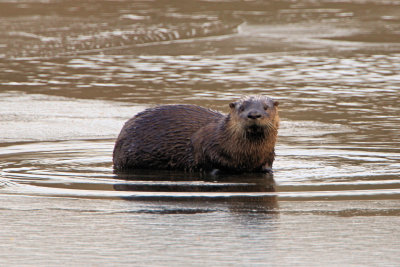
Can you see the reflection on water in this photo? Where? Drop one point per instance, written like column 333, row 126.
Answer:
column 71, row 74
column 83, row 169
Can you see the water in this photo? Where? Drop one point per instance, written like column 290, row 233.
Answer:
column 71, row 75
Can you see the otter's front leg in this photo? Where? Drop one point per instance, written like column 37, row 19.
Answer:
column 215, row 172
column 267, row 169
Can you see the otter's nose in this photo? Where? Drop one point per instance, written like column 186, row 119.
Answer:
column 253, row 115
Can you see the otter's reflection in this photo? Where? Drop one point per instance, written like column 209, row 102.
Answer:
column 242, row 192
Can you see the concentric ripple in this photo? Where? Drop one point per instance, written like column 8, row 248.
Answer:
column 82, row 169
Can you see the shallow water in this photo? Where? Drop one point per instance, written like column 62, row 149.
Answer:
column 71, row 75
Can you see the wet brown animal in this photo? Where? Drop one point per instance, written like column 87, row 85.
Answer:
column 193, row 138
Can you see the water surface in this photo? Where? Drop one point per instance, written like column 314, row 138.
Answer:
column 71, row 75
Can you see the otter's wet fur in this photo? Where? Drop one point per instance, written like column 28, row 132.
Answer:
column 193, row 138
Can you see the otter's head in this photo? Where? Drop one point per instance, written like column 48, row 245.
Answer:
column 255, row 115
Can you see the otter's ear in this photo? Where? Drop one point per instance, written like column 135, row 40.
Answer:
column 276, row 103
column 232, row 105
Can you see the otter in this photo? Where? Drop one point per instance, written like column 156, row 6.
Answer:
column 193, row 138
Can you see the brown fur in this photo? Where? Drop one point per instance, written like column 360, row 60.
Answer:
column 190, row 137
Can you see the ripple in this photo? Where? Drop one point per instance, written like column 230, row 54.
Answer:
column 93, row 36
column 82, row 169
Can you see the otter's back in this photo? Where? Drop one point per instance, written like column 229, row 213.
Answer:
column 160, row 137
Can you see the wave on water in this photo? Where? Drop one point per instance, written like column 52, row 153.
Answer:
column 80, row 169
column 22, row 43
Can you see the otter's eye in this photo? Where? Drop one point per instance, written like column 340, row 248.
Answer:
column 241, row 109
column 265, row 107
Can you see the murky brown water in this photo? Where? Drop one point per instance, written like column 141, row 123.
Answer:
column 71, row 73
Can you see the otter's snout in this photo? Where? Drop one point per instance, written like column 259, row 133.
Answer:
column 254, row 114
